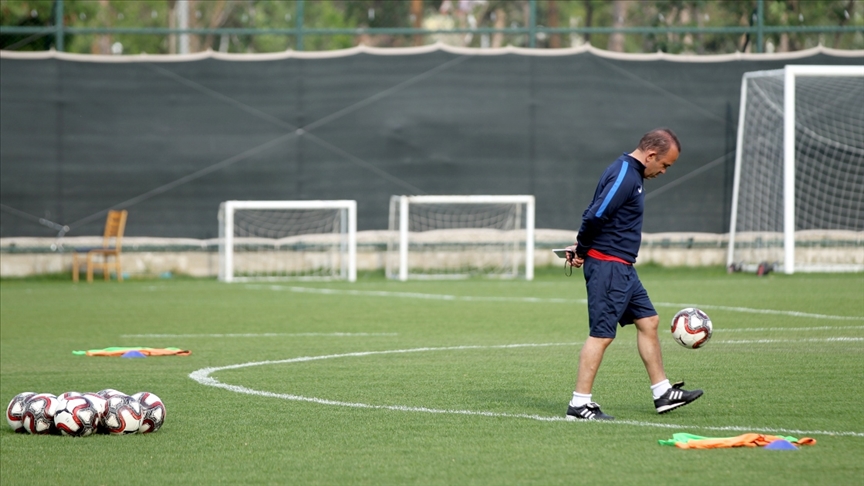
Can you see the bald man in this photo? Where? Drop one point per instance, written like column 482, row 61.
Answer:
column 606, row 249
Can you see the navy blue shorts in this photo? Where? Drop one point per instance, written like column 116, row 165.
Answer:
column 615, row 295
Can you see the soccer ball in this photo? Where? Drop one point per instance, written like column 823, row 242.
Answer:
column 99, row 402
column 109, row 392
column 68, row 395
column 123, row 416
column 152, row 412
column 38, row 416
column 15, row 411
column 76, row 417
column 692, row 328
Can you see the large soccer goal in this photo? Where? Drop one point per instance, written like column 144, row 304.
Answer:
column 439, row 237
column 798, row 196
column 274, row 240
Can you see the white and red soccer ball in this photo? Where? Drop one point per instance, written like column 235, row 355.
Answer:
column 152, row 412
column 692, row 328
column 123, row 416
column 77, row 416
column 15, row 411
column 38, row 415
column 99, row 402
column 109, row 392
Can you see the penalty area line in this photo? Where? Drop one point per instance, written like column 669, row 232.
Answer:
column 204, row 377
column 787, row 329
column 264, row 334
column 536, row 300
column 377, row 334
column 812, row 340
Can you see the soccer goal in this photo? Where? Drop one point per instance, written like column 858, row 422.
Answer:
column 274, row 240
column 437, row 237
column 798, row 194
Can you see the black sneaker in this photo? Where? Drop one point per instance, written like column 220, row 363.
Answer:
column 675, row 397
column 590, row 411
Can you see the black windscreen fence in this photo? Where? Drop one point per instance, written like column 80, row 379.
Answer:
column 171, row 139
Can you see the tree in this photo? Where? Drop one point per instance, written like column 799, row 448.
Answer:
column 467, row 14
column 619, row 16
column 27, row 14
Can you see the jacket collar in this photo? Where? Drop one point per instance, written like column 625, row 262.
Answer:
column 634, row 163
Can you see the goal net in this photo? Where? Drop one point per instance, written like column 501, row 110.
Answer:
column 272, row 240
column 460, row 236
column 798, row 196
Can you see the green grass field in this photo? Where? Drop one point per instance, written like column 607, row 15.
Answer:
column 426, row 382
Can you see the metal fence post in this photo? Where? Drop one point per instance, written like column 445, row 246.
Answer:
column 760, row 25
column 532, row 23
column 58, row 25
column 299, row 24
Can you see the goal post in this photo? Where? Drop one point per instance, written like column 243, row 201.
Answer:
column 285, row 240
column 440, row 237
column 798, row 190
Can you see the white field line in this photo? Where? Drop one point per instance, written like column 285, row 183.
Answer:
column 539, row 300
column 814, row 340
column 264, row 334
column 203, row 376
column 785, row 329
column 340, row 334
column 762, row 311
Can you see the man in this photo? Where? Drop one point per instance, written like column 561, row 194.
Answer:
column 607, row 245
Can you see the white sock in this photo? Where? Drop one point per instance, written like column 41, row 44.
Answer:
column 658, row 389
column 580, row 400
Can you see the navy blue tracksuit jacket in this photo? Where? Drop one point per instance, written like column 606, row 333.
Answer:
column 612, row 224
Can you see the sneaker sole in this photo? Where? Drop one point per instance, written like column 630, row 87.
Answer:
column 669, row 408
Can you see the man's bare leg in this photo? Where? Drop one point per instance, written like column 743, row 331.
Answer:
column 649, row 348
column 582, row 407
column 589, row 362
column 666, row 397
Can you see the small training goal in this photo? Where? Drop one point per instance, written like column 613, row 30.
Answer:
column 439, row 237
column 276, row 240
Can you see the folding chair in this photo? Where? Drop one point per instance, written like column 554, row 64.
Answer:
column 115, row 224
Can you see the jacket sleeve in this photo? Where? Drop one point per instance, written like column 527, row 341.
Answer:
column 615, row 191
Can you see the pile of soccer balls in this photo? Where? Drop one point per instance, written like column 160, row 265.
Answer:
column 81, row 414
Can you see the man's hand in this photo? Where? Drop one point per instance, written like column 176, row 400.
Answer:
column 572, row 259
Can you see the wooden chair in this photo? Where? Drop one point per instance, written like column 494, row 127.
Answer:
column 115, row 224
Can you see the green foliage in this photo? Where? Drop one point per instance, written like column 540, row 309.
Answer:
column 762, row 371
column 140, row 13
column 38, row 13
column 358, row 14
column 328, row 15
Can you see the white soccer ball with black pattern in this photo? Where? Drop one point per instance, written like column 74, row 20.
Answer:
column 692, row 328
column 77, row 417
column 38, row 416
column 109, row 392
column 68, row 395
column 152, row 412
column 124, row 415
column 99, row 402
column 15, row 411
